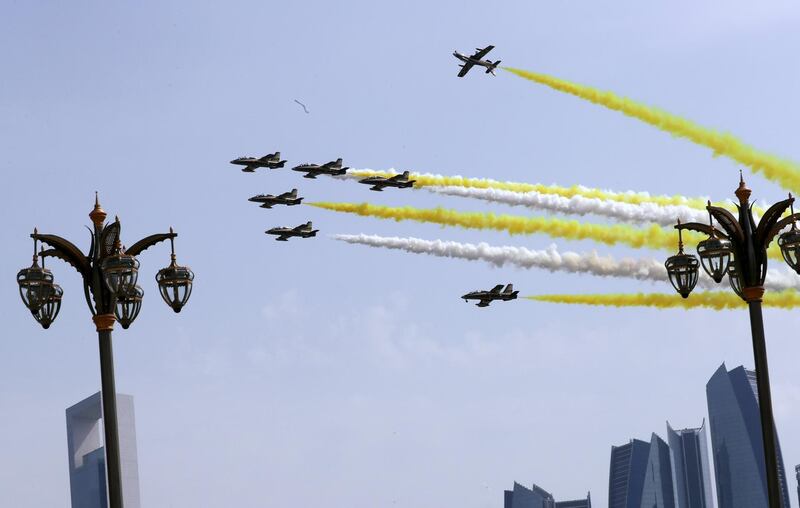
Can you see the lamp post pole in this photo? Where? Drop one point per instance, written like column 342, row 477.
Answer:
column 747, row 244
column 109, row 274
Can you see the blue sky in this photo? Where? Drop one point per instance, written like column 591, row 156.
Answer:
column 314, row 372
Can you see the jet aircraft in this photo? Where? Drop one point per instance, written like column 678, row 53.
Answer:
column 329, row 168
column 270, row 161
column 379, row 182
column 476, row 59
column 496, row 293
column 301, row 231
column 268, row 200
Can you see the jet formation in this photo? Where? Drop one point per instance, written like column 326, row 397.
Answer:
column 269, row 161
column 376, row 183
column 496, row 293
column 379, row 182
column 302, row 231
column 476, row 59
column 268, row 200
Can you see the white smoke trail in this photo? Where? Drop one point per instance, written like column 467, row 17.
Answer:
column 641, row 213
column 549, row 259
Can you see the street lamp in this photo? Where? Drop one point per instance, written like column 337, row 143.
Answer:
column 109, row 273
column 741, row 252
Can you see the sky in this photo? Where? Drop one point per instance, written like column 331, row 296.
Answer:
column 315, row 372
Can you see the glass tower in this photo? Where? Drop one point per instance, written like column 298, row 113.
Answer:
column 537, row 497
column 736, row 441
column 626, row 474
column 87, row 460
column 657, row 490
column 690, row 470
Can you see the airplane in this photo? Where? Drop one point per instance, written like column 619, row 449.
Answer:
column 496, row 293
column 475, row 59
column 379, row 182
column 287, row 198
column 271, row 161
column 301, row 231
column 329, row 168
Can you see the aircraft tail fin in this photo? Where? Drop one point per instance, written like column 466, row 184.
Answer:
column 490, row 70
column 509, row 288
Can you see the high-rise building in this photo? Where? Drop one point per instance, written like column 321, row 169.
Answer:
column 657, row 489
column 537, row 497
column 626, row 474
column 797, row 476
column 87, row 467
column 736, row 441
column 523, row 497
column 690, row 468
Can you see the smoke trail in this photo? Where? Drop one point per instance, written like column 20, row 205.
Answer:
column 642, row 213
column 651, row 237
column 716, row 300
column 550, row 259
column 429, row 180
column 782, row 171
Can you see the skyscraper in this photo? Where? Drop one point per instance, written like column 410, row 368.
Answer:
column 736, row 441
column 690, row 469
column 87, row 468
column 626, row 474
column 537, row 497
column 523, row 497
column 657, row 489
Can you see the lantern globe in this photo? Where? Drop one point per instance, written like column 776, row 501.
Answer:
column 120, row 272
column 127, row 306
column 734, row 279
column 789, row 242
column 175, row 285
column 683, row 271
column 715, row 256
column 48, row 311
column 35, row 285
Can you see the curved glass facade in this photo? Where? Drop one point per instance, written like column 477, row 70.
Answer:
column 736, row 441
column 690, row 468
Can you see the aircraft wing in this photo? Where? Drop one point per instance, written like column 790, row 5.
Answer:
column 484, row 303
column 282, row 238
column 267, row 158
column 285, row 195
column 465, row 69
column 497, row 288
column 249, row 169
column 480, row 53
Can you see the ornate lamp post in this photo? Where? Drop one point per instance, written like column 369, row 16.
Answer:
column 741, row 252
column 109, row 273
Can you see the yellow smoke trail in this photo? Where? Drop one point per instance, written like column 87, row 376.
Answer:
column 717, row 300
column 653, row 237
column 782, row 171
column 428, row 180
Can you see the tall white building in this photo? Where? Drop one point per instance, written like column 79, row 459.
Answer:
column 87, row 467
